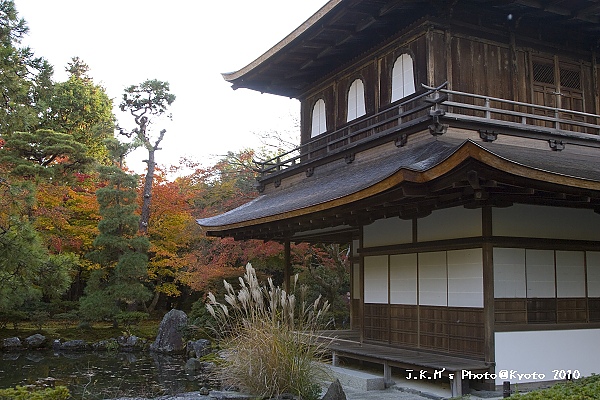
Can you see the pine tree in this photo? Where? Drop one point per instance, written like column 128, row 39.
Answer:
column 119, row 250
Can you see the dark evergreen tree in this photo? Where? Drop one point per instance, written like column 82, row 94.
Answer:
column 44, row 154
column 25, row 80
column 82, row 109
column 121, row 254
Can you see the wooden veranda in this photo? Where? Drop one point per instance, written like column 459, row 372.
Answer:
column 422, row 365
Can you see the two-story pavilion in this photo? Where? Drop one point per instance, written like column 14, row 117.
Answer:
column 456, row 144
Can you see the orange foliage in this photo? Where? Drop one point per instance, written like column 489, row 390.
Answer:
column 67, row 216
column 171, row 229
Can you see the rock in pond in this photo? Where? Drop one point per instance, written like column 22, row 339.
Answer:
column 170, row 333
column 194, row 366
column 36, row 341
column 130, row 343
column 74, row 345
column 12, row 343
column 199, row 348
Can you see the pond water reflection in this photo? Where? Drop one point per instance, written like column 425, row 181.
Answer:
column 99, row 375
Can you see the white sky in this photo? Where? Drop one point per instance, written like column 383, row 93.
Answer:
column 188, row 43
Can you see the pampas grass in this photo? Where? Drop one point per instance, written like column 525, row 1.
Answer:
column 268, row 338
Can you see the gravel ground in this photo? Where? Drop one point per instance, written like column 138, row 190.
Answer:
column 392, row 393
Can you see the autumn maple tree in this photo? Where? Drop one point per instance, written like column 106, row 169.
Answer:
column 171, row 231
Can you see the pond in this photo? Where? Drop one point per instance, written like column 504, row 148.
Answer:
column 99, row 375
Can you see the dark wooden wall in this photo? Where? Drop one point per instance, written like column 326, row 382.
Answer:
column 519, row 313
column 495, row 64
column 452, row 330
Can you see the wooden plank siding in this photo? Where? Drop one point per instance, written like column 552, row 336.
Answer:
column 404, row 325
column 517, row 312
column 451, row 330
column 498, row 64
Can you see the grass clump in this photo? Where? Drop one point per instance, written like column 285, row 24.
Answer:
column 22, row 393
column 581, row 389
column 267, row 338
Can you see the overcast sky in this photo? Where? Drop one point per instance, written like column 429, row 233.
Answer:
column 188, row 43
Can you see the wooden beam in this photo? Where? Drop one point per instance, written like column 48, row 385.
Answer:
column 287, row 266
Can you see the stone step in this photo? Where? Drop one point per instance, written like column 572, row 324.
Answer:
column 358, row 379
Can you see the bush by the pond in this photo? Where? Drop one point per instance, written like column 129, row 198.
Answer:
column 129, row 319
column 12, row 317
column 267, row 339
column 581, row 389
column 22, row 393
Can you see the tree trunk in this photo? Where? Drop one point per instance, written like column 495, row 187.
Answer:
column 147, row 194
column 154, row 302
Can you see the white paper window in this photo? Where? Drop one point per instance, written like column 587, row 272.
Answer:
column 403, row 79
column 570, row 274
column 465, row 278
column 387, row 231
column 593, row 273
column 449, row 223
column 403, row 279
column 509, row 273
column 376, row 279
column 433, row 279
column 356, row 100
column 525, row 220
column 319, row 119
column 540, row 273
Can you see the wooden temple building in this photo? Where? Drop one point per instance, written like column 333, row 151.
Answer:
column 456, row 145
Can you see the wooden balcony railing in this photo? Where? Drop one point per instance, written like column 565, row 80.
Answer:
column 480, row 108
column 434, row 102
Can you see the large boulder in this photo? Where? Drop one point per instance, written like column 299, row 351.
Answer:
column 170, row 333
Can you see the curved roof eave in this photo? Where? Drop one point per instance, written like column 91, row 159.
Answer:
column 467, row 150
column 232, row 76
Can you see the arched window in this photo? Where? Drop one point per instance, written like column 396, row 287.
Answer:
column 319, row 120
column 403, row 77
column 356, row 100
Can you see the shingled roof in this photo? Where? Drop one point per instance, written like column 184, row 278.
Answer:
column 417, row 164
column 344, row 29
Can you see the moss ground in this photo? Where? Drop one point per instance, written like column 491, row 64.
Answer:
column 98, row 331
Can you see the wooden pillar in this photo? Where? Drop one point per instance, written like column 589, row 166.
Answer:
column 488, row 290
column 596, row 81
column 456, row 384
column 430, row 58
column 361, row 287
column 287, row 266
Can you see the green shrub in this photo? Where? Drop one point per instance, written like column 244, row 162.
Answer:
column 112, row 345
column 67, row 319
column 38, row 318
column 21, row 393
column 199, row 322
column 581, row 389
column 268, row 341
column 13, row 317
column 62, row 306
column 129, row 319
column 84, row 326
